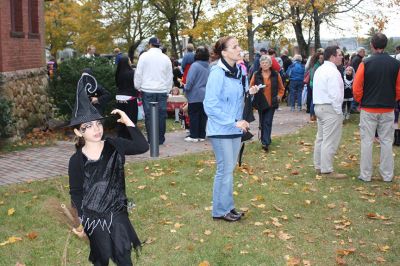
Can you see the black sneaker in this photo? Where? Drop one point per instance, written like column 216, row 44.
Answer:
column 229, row 217
column 235, row 212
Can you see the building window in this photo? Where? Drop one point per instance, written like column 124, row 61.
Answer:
column 17, row 27
column 33, row 11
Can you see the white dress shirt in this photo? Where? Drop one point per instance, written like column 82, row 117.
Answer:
column 328, row 86
column 154, row 72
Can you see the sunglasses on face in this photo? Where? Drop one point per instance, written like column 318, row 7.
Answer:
column 89, row 125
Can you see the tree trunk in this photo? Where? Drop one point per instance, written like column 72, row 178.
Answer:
column 317, row 30
column 303, row 46
column 250, row 33
column 171, row 30
column 179, row 42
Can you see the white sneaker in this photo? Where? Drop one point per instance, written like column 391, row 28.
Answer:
column 201, row 140
column 189, row 139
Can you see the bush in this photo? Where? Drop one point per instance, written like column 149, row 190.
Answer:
column 63, row 85
column 5, row 117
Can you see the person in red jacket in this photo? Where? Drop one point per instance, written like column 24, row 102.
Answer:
column 377, row 88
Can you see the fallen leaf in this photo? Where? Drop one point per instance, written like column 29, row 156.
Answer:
column 178, row 225
column 308, row 202
column 244, row 252
column 261, row 206
column 204, row 263
column 345, row 252
column 284, row 236
column 293, row 261
column 340, row 261
column 306, row 263
column 331, row 205
column 172, row 231
column 207, row 232
column 11, row 240
column 295, row 172
column 10, row 211
column 276, row 222
column 149, row 240
column 32, row 235
column 163, row 197
column 141, row 187
column 208, row 208
column 380, row 259
column 258, row 224
column 297, row 215
column 384, row 248
column 20, row 264
column 277, row 208
column 244, row 209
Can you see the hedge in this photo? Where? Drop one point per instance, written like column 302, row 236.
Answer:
column 63, row 84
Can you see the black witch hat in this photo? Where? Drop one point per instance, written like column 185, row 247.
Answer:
column 84, row 111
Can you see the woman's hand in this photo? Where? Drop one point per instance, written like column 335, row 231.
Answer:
column 254, row 89
column 79, row 231
column 124, row 119
column 243, row 125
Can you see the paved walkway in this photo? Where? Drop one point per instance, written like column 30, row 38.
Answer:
column 48, row 162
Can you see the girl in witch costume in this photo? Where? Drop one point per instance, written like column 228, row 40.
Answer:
column 97, row 182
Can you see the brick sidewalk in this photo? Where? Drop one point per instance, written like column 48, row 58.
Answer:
column 48, row 162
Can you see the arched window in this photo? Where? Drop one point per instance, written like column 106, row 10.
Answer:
column 17, row 23
column 33, row 12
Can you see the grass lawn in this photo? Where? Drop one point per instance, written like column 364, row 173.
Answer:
column 293, row 216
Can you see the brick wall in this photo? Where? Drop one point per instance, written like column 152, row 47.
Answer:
column 20, row 53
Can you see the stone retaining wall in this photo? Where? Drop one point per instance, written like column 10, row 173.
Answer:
column 27, row 90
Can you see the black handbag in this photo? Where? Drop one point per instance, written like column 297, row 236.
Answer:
column 396, row 137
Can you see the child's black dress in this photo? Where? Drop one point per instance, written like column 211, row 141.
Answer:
column 97, row 191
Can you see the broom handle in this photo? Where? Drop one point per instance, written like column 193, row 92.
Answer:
column 67, row 213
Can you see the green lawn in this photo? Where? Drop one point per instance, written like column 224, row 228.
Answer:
column 293, row 216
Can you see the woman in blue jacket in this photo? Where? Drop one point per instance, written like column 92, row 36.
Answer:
column 296, row 77
column 223, row 105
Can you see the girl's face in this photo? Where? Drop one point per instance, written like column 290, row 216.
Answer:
column 321, row 59
column 232, row 51
column 90, row 131
column 349, row 71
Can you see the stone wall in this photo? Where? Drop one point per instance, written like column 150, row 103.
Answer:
column 27, row 90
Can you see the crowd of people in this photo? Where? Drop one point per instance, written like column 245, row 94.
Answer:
column 221, row 87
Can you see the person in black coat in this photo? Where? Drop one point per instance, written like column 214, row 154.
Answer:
column 97, row 94
column 126, row 96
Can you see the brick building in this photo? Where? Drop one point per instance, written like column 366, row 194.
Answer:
column 23, row 74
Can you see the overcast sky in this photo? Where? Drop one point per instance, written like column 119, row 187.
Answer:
column 346, row 22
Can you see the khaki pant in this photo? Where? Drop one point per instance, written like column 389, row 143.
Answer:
column 328, row 136
column 383, row 123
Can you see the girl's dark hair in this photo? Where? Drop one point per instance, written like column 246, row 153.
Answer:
column 79, row 141
column 123, row 66
column 315, row 58
column 221, row 45
column 202, row 54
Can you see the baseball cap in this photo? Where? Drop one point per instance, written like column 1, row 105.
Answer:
column 154, row 41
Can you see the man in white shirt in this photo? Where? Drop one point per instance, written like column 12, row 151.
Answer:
column 328, row 93
column 153, row 77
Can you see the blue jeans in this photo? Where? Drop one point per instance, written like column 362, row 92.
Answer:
column 226, row 154
column 161, row 98
column 296, row 89
column 266, row 118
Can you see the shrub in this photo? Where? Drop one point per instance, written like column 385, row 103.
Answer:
column 5, row 117
column 63, row 85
